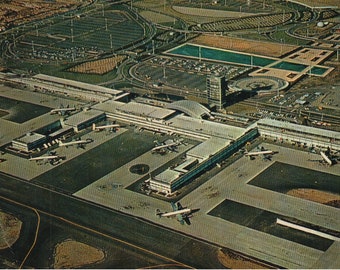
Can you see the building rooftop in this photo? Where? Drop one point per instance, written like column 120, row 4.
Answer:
column 30, row 138
column 192, row 108
column 77, row 84
column 208, row 148
column 60, row 131
column 109, row 106
column 207, row 127
column 300, row 128
column 82, row 117
column 167, row 176
column 145, row 110
column 185, row 166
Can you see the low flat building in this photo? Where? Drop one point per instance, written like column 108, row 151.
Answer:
column 207, row 148
column 163, row 181
column 29, row 142
column 84, row 119
column 170, row 180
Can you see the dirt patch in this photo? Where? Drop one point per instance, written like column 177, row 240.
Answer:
column 10, row 228
column 314, row 195
column 73, row 254
column 211, row 12
column 99, row 66
column 242, row 45
column 232, row 260
column 23, row 11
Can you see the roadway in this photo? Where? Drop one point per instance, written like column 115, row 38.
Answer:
column 148, row 238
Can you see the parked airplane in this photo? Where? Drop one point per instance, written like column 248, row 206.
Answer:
column 79, row 143
column 183, row 214
column 266, row 154
column 52, row 159
column 111, row 127
column 167, row 145
column 326, row 158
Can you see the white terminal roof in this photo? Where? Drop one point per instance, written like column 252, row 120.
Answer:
column 207, row 127
column 167, row 177
column 183, row 167
column 76, row 84
column 300, row 128
column 109, row 106
column 30, row 138
column 208, row 148
column 192, row 108
column 134, row 108
column 146, row 110
column 82, row 117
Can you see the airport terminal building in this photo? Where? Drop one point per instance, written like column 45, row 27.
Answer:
column 294, row 133
column 204, row 156
column 29, row 142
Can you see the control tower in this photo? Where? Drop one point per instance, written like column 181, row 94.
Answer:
column 216, row 87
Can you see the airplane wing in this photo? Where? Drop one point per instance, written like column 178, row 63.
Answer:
column 180, row 219
column 186, row 219
column 267, row 157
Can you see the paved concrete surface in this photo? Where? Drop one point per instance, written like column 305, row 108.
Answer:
column 10, row 130
column 26, row 169
column 231, row 184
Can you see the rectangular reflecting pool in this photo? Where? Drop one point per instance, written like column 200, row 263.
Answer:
column 290, row 66
column 196, row 51
column 318, row 70
column 239, row 58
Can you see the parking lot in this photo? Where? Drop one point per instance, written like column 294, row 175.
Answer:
column 183, row 74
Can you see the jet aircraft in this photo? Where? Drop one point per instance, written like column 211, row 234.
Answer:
column 80, row 143
column 168, row 145
column 266, row 154
column 182, row 213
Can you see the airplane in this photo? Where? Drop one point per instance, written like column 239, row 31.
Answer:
column 266, row 154
column 329, row 156
column 182, row 214
column 52, row 159
column 161, row 148
column 111, row 127
column 326, row 158
column 79, row 143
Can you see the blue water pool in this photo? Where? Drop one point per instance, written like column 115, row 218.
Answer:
column 221, row 55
